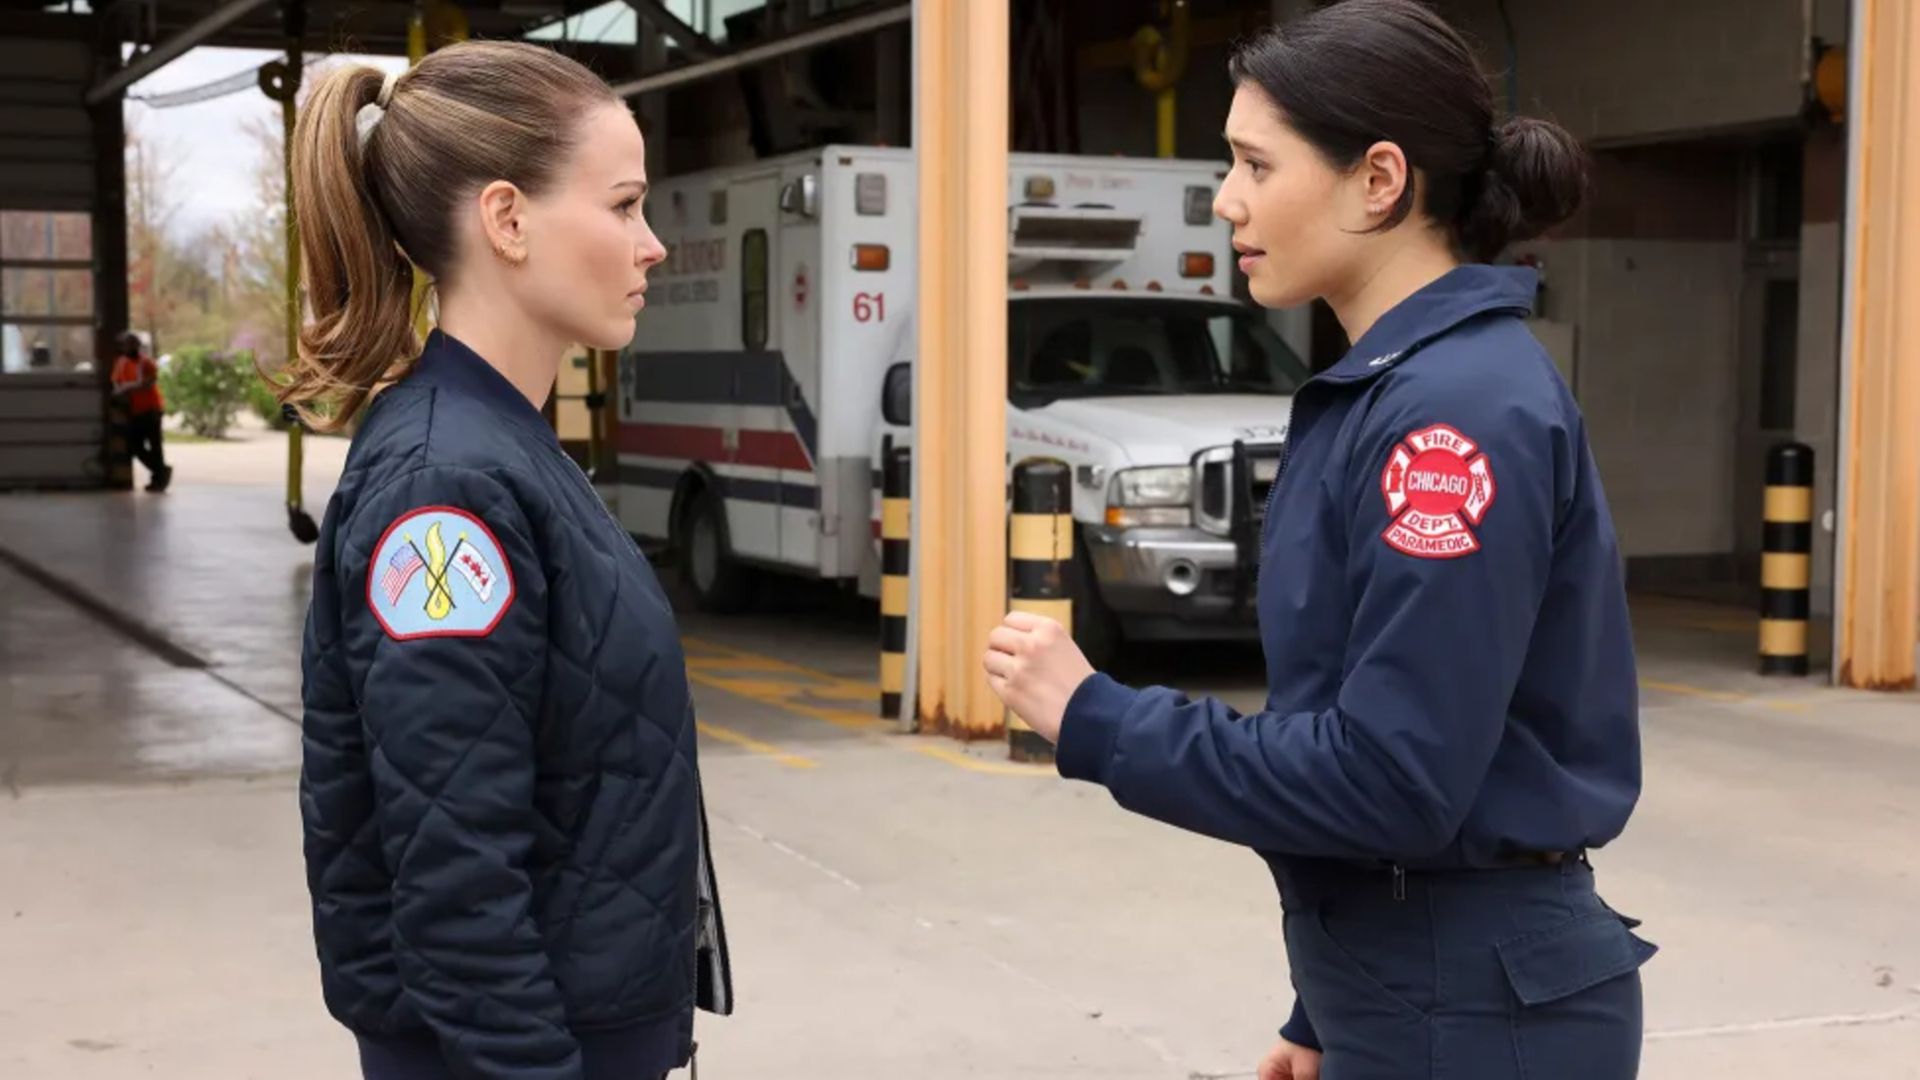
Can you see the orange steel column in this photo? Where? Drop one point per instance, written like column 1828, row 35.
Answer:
column 960, row 382
column 1879, row 606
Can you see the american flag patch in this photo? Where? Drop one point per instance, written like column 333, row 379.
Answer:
column 400, row 570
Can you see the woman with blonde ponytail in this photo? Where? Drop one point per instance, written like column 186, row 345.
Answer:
column 505, row 841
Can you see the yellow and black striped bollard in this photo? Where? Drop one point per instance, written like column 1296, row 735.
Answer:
column 896, row 518
column 1786, row 560
column 1041, row 546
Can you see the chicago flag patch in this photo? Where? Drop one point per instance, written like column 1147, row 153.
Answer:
column 1438, row 488
column 439, row 572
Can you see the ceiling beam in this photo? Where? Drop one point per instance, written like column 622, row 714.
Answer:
column 164, row 53
column 691, row 41
column 759, row 54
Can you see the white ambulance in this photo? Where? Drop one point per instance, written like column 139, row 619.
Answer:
column 772, row 363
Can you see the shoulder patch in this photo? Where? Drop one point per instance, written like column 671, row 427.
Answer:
column 1438, row 488
column 438, row 571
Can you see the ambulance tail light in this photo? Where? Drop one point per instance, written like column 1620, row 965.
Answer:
column 871, row 257
column 1039, row 188
column 1196, row 264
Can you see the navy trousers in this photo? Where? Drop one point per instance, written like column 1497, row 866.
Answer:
column 419, row 1059
column 1520, row 974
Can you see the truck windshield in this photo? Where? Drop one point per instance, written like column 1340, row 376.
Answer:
column 1109, row 347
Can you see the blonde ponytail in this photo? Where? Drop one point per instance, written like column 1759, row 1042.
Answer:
column 375, row 196
column 359, row 286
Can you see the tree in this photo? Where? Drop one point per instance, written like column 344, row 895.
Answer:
column 225, row 287
column 152, row 207
column 201, row 289
column 258, row 264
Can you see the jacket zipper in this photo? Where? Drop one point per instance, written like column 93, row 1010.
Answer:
column 708, row 933
column 1286, row 453
column 592, row 493
column 1279, row 474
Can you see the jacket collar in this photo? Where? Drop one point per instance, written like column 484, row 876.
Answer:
column 448, row 364
column 1460, row 294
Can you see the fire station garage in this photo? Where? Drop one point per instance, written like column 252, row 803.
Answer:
column 943, row 330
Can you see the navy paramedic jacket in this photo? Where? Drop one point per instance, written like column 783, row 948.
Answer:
column 504, row 841
column 1441, row 604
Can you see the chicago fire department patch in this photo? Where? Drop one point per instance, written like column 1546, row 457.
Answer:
column 1438, row 488
column 439, row 572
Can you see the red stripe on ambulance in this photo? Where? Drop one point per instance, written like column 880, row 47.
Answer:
column 689, row 442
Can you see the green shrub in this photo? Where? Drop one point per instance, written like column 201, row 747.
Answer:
column 260, row 398
column 205, row 389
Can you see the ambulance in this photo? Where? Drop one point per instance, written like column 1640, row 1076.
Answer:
column 772, row 367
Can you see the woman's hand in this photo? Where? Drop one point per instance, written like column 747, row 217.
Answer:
column 1289, row 1062
column 1034, row 665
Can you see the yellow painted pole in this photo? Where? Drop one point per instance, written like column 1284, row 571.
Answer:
column 1168, row 110
column 1786, row 560
column 1159, row 63
column 280, row 81
column 896, row 560
column 960, row 423
column 1879, row 606
column 1040, row 541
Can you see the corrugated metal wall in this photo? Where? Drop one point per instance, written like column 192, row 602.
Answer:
column 51, row 421
column 46, row 138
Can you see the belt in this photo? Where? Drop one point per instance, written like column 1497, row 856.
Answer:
column 1307, row 878
column 1522, row 859
column 1517, row 860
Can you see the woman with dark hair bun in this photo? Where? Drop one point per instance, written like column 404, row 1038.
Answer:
column 1452, row 713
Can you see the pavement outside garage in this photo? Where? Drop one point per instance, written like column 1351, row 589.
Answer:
column 899, row 905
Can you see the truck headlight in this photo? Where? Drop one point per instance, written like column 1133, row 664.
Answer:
column 1162, row 495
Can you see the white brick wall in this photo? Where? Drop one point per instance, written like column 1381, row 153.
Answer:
column 1630, row 70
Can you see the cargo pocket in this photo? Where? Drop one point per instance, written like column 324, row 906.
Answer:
column 1576, row 955
column 1579, row 1010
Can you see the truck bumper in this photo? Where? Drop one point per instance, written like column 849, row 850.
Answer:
column 1165, row 584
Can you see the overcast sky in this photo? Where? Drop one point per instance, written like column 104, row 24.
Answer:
column 215, row 159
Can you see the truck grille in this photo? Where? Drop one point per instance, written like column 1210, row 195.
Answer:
column 1224, row 492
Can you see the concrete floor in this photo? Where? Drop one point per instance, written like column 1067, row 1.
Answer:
column 899, row 906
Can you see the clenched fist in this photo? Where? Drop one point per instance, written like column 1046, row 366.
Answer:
column 1034, row 665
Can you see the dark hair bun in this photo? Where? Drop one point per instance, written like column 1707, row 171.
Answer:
column 1535, row 179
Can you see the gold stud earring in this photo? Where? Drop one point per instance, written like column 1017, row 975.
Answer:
column 512, row 257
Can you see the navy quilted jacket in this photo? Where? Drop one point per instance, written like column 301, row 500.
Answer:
column 504, row 837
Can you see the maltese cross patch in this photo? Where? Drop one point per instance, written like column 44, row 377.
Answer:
column 1438, row 488
column 439, row 572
